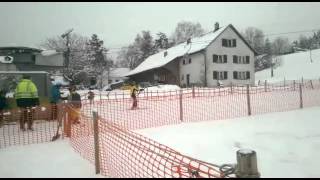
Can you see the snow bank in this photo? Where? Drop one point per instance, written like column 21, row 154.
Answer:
column 162, row 88
column 48, row 160
column 294, row 66
column 287, row 144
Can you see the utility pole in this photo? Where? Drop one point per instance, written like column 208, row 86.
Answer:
column 67, row 56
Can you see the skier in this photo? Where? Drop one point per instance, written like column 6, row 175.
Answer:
column 133, row 93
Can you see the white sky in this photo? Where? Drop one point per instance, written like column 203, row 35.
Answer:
column 118, row 23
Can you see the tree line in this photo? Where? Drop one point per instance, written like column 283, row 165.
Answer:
column 88, row 55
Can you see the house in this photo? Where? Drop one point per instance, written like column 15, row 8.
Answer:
column 221, row 55
column 115, row 75
column 30, row 59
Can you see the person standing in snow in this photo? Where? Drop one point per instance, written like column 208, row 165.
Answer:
column 74, row 100
column 26, row 95
column 55, row 99
column 90, row 96
column 133, row 94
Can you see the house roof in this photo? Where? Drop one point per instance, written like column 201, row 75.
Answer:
column 20, row 48
column 197, row 44
column 118, row 72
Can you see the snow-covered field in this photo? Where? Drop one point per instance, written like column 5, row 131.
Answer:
column 294, row 67
column 48, row 160
column 287, row 143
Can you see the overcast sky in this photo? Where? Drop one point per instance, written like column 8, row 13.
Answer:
column 118, row 23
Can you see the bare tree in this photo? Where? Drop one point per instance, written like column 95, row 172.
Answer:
column 185, row 30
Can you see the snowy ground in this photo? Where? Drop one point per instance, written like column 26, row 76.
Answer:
column 294, row 67
column 287, row 143
column 47, row 160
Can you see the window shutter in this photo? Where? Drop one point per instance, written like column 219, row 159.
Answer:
column 248, row 59
column 215, row 75
column 225, row 75
column 189, row 60
column 248, row 74
column 225, row 58
column 224, row 42
column 234, row 43
column 215, row 58
column 235, row 59
column 235, row 75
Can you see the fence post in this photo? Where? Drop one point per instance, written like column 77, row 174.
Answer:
column 300, row 92
column 302, row 80
column 311, row 84
column 181, row 108
column 96, row 140
column 248, row 100
column 193, row 91
column 231, row 88
column 247, row 164
column 294, row 85
column 265, row 85
column 284, row 82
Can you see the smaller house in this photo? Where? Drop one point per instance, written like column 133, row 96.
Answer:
column 115, row 75
column 30, row 59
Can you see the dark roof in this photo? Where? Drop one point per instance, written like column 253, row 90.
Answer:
column 20, row 48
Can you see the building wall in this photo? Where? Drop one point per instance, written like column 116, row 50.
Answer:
column 53, row 60
column 195, row 69
column 241, row 49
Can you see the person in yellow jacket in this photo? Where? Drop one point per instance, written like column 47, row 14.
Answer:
column 133, row 93
column 26, row 95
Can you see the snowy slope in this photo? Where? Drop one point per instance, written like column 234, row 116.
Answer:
column 294, row 66
column 287, row 143
column 47, row 160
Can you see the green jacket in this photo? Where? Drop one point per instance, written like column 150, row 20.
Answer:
column 26, row 89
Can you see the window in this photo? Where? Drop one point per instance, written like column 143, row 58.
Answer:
column 219, row 58
column 214, row 58
column 235, row 59
column 241, row 75
column 229, row 42
column 184, row 62
column 241, row 59
column 247, row 59
column 33, row 58
column 117, row 80
column 189, row 60
column 234, row 43
column 224, row 42
column 225, row 58
column 220, row 75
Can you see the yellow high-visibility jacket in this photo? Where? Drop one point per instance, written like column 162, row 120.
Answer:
column 26, row 89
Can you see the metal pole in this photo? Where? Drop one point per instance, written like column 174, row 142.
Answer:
column 294, row 85
column 248, row 100
column 311, row 84
column 181, row 108
column 301, row 100
column 96, row 140
column 247, row 164
column 265, row 86
column 231, row 88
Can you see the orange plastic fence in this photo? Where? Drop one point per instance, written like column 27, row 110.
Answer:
column 45, row 124
column 124, row 153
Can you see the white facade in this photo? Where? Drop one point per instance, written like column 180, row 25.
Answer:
column 196, row 69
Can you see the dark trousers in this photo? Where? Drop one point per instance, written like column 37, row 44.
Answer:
column 27, row 115
column 135, row 102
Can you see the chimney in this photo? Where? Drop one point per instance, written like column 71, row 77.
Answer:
column 165, row 53
column 216, row 26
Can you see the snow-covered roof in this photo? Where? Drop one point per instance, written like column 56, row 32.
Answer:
column 49, row 52
column 159, row 60
column 119, row 72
